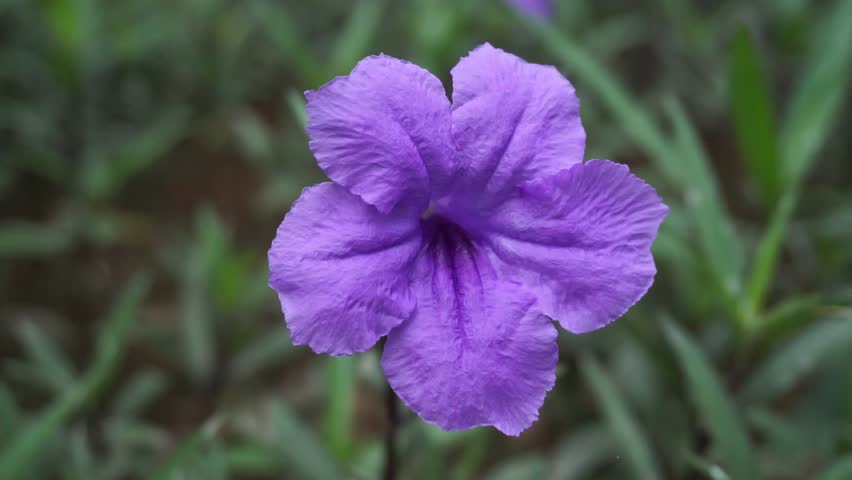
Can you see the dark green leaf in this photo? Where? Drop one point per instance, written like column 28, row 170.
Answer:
column 302, row 451
column 714, row 406
column 531, row 467
column 754, row 116
column 802, row 355
column 340, row 382
column 353, row 42
column 582, row 451
column 21, row 239
column 625, row 429
column 22, row 454
column 820, row 92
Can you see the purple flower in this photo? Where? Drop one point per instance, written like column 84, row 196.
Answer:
column 535, row 8
column 459, row 230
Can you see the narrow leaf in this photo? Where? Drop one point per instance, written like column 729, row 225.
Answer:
column 766, row 255
column 624, row 427
column 751, row 104
column 22, row 239
column 268, row 349
column 296, row 102
column 353, row 43
column 532, row 466
column 46, row 356
column 341, row 401
column 715, row 227
column 301, row 449
column 582, row 451
column 820, row 92
column 714, row 406
column 16, row 459
column 791, row 362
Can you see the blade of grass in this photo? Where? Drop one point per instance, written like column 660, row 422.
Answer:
column 340, row 386
column 296, row 102
column 710, row 470
column 142, row 389
column 820, row 93
column 106, row 174
column 303, row 451
column 277, row 23
column 188, row 450
column 754, row 118
column 353, row 42
column 802, row 355
column 625, row 429
column 715, row 228
column 765, row 259
column 252, row 459
column 267, row 349
column 582, row 451
column 10, row 415
column 22, row 239
column 714, row 406
column 16, row 459
column 528, row 466
column 46, row 356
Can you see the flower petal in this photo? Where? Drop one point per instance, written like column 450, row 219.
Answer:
column 380, row 130
column 513, row 121
column 584, row 237
column 476, row 352
column 342, row 270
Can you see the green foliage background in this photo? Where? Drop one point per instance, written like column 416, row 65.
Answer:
column 149, row 148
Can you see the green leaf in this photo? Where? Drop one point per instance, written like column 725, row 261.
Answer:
column 624, row 427
column 72, row 26
column 22, row 239
column 283, row 31
column 714, row 406
column 46, row 357
column 19, row 456
column 715, row 228
column 529, row 466
column 197, row 320
column 270, row 348
column 766, row 257
column 340, row 388
column 82, row 464
column 754, row 116
column 187, row 451
column 253, row 459
column 582, row 451
column 710, row 470
column 107, row 173
column 820, row 92
column 10, row 415
column 353, row 43
column 296, row 102
column 302, row 450
column 839, row 470
column 791, row 362
column 142, row 389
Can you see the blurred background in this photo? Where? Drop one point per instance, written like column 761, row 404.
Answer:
column 149, row 149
